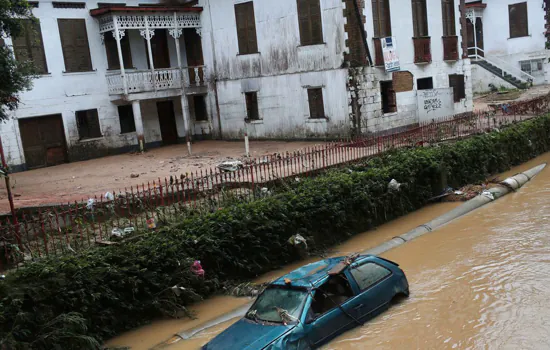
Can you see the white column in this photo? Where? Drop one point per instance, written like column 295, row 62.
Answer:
column 136, row 108
column 185, row 112
column 148, row 33
column 119, row 34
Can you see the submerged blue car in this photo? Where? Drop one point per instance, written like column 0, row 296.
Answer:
column 315, row 303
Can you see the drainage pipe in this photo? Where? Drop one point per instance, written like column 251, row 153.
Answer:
column 510, row 184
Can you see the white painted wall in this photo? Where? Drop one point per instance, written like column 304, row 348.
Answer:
column 499, row 46
column 66, row 93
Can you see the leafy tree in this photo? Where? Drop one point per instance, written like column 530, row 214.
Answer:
column 14, row 76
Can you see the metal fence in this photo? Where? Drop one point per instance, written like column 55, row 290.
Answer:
column 109, row 217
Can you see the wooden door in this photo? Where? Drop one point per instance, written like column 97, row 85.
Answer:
column 43, row 141
column 479, row 36
column 159, row 49
column 167, row 120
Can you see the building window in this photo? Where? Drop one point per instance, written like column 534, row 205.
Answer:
column 389, row 100
column 518, row 20
column 381, row 18
column 252, row 112
column 316, row 105
column 74, row 42
column 126, row 119
column 533, row 67
column 310, row 22
column 456, row 81
column 420, row 18
column 28, row 46
column 112, row 51
column 87, row 123
column 424, row 83
column 199, row 102
column 68, row 5
column 449, row 27
column 246, row 28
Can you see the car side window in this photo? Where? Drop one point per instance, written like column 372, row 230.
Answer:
column 369, row 274
column 335, row 291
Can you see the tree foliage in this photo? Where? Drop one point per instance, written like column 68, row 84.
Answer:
column 15, row 76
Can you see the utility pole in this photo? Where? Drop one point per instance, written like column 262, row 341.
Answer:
column 10, row 197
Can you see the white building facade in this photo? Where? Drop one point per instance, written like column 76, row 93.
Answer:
column 127, row 76
column 511, row 35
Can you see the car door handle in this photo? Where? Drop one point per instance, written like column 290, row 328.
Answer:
column 358, row 307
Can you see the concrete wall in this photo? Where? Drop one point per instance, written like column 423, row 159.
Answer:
column 64, row 93
column 481, row 78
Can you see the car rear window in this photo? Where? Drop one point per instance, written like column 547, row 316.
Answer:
column 369, row 274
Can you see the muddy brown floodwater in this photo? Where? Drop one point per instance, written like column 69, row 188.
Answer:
column 480, row 282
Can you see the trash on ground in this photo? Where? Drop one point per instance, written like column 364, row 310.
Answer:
column 151, row 224
column 133, row 176
column 468, row 192
column 109, row 196
column 394, row 185
column 297, row 240
column 90, row 204
column 230, row 165
column 177, row 290
column 197, row 269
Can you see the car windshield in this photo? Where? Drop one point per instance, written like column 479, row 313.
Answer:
column 286, row 299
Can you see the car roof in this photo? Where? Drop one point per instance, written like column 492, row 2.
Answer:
column 312, row 275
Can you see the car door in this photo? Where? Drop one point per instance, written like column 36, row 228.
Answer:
column 373, row 281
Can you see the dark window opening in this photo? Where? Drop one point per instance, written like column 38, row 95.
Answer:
column 199, row 103
column 316, row 105
column 420, row 18
column 449, row 27
column 329, row 296
column 126, row 118
column 381, row 18
column 389, row 103
column 28, row 46
column 424, row 83
column 519, row 24
column 456, row 81
column 74, row 42
column 369, row 274
column 68, row 5
column 87, row 123
column 33, row 4
column 252, row 111
column 246, row 28
column 112, row 52
column 310, row 22
column 159, row 49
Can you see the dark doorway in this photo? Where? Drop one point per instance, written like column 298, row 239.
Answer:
column 167, row 121
column 479, row 34
column 159, row 49
column 43, row 141
column 389, row 100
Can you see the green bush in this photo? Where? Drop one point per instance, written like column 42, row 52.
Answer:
column 74, row 302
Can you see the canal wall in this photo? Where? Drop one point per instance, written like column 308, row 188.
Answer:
column 101, row 292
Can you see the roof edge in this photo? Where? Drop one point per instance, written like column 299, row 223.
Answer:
column 113, row 9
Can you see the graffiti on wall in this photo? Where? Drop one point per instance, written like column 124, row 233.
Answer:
column 435, row 103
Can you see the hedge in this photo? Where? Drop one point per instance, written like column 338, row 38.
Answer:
column 77, row 301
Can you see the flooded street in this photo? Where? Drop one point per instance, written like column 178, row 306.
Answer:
column 479, row 282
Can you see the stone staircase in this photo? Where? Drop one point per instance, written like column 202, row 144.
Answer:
column 503, row 74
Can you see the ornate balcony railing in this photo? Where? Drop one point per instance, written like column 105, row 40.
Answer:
column 159, row 80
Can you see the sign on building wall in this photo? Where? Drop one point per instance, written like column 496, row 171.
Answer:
column 435, row 104
column 391, row 61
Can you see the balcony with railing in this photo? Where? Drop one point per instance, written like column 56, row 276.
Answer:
column 158, row 70
column 137, row 81
column 422, row 50
column 450, row 48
